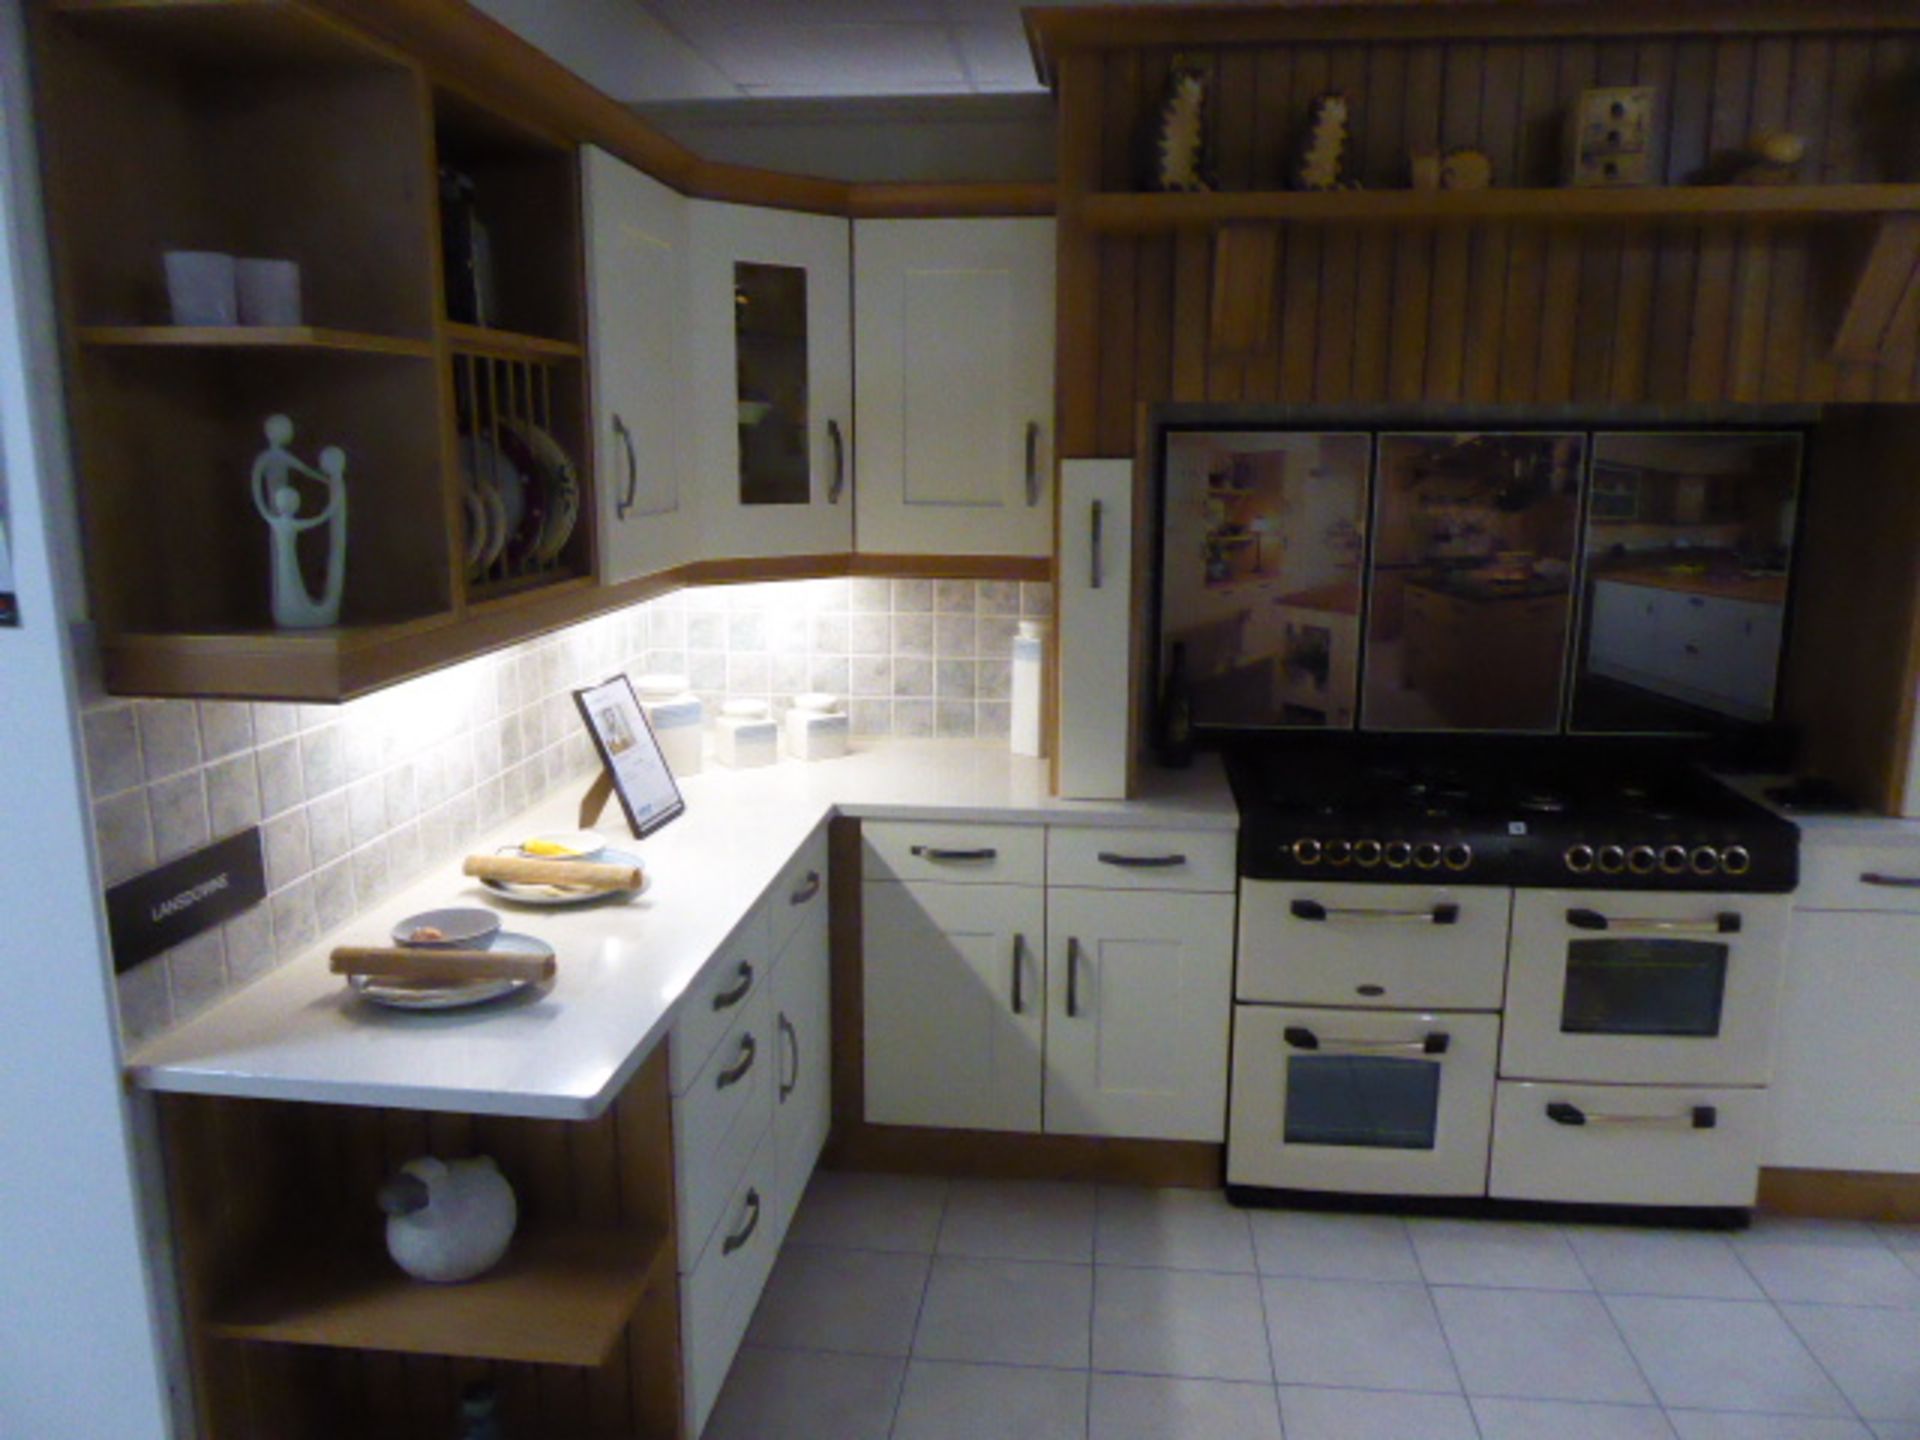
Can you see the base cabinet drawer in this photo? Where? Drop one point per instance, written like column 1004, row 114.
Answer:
column 717, row 1299
column 719, row 997
column 720, row 1120
column 1141, row 859
column 953, row 852
column 1627, row 1144
column 1859, row 877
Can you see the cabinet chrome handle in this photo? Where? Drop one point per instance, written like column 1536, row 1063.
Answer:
column 1033, row 463
column 1435, row 915
column 727, row 999
column 1725, row 923
column 737, row 1071
column 625, row 437
column 1019, row 979
column 1095, row 516
column 1698, row 1117
column 1141, row 862
column 809, row 888
column 1301, row 1038
column 789, row 1085
column 745, row 1233
column 839, row 481
column 1897, row 882
column 1073, row 979
column 934, row 852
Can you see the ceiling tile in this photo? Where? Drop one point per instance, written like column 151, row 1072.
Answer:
column 997, row 57
column 855, row 59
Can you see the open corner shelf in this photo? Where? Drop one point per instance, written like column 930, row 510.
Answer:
column 560, row 1299
column 508, row 345
column 251, row 337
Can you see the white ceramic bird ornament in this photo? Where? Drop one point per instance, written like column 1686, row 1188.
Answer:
column 448, row 1220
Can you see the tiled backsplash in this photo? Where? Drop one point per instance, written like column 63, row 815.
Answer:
column 356, row 800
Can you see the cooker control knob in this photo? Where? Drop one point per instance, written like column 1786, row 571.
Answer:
column 1705, row 860
column 1642, row 859
column 1458, row 856
column 1579, row 859
column 1673, row 860
column 1366, row 852
column 1427, row 855
column 1307, row 852
column 1339, row 852
column 1611, row 860
column 1735, row 860
column 1399, row 854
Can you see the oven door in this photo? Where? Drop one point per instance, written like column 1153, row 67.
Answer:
column 1636, row 987
column 1361, row 1101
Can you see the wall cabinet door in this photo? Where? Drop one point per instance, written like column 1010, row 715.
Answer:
column 636, row 295
column 802, row 1107
column 1139, row 995
column 1096, row 605
column 955, row 1004
column 954, row 339
column 771, row 332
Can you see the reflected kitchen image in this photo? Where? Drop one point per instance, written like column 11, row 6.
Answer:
column 1475, row 538
column 1687, row 548
column 1260, row 578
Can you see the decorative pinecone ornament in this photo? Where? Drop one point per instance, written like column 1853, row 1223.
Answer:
column 1177, row 154
column 1322, row 159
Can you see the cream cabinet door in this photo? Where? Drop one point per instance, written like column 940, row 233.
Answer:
column 802, row 1106
column 955, row 1004
column 772, row 398
column 1139, row 996
column 636, row 298
column 953, row 341
column 1095, row 601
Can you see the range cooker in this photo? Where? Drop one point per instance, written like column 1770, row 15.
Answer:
column 1517, row 971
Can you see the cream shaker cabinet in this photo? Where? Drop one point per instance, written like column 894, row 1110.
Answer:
column 769, row 321
column 953, row 345
column 636, row 243
column 1095, row 598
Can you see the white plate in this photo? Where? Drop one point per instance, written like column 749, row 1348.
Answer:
column 550, row 898
column 399, row 996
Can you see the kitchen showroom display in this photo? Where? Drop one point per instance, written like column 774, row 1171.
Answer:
column 1526, row 581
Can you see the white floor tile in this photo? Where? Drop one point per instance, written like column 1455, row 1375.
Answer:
column 1337, row 1332
column 859, row 1302
column 1896, row 1432
column 1621, row 1260
column 1707, row 1425
column 870, row 1212
column 1724, row 1355
column 1874, row 1355
column 1559, row 1420
column 1174, row 1229
column 1315, row 1414
column 1179, row 1322
column 1833, row 1274
column 945, row 1401
column 1496, row 1252
column 1155, row 1407
column 1007, row 1312
column 1333, row 1247
column 1904, row 1238
column 1019, row 1220
column 791, row 1395
column 1799, row 1230
column 1538, row 1345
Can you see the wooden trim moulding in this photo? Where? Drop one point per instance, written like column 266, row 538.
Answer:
column 1841, row 1195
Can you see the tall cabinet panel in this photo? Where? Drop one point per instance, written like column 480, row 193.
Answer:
column 772, row 366
column 1096, row 603
column 954, row 348
column 636, row 232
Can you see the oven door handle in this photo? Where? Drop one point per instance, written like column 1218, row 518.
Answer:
column 1435, row 915
column 1727, row 922
column 1301, row 1038
column 1699, row 1117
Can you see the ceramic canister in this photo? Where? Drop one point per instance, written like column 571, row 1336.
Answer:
column 677, row 717
column 816, row 728
column 745, row 735
column 1029, row 665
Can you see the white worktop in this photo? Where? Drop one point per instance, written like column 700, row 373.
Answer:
column 296, row 1034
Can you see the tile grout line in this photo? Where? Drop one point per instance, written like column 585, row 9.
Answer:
column 926, row 1284
column 1625, row 1344
column 1426, row 1289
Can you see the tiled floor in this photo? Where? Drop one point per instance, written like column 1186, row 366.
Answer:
column 912, row 1309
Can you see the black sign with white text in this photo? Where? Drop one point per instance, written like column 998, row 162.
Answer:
column 154, row 912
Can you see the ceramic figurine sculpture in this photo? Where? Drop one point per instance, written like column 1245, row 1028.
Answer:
column 279, row 502
column 448, row 1220
column 1177, row 156
column 1322, row 161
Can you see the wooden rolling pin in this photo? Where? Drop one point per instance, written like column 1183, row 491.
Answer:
column 566, row 874
column 418, row 964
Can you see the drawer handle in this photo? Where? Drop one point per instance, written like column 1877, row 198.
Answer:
column 1301, row 1038
column 1726, row 922
column 737, row 1072
column 1699, row 1117
column 1073, row 978
column 1019, row 976
column 1445, row 914
column 745, row 1233
column 1896, row 882
column 788, row 1086
column 934, row 852
column 806, row 892
column 727, row 999
column 1141, row 862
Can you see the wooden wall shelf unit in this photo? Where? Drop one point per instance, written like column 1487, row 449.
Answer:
column 252, row 337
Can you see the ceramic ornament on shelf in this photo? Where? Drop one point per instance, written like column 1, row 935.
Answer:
column 1322, row 161
column 279, row 502
column 448, row 1220
column 1177, row 156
